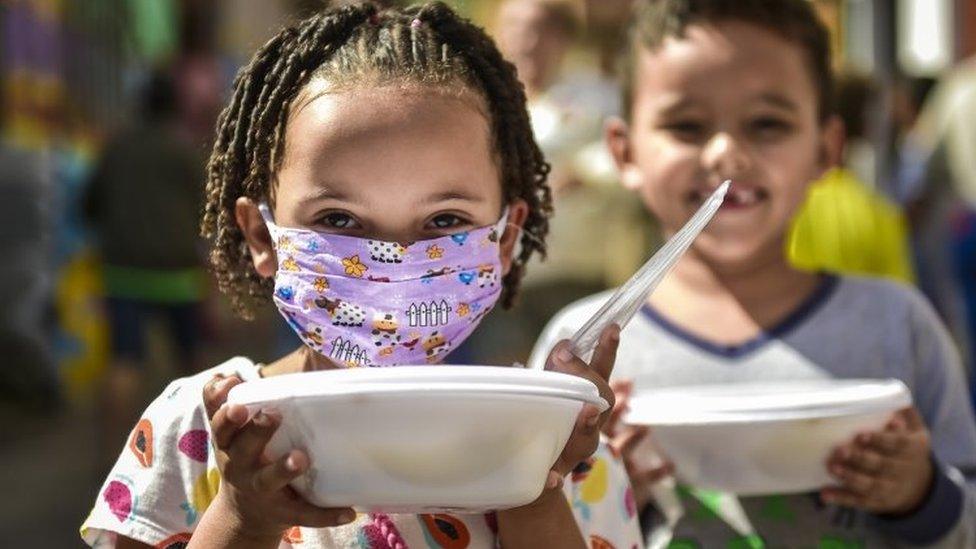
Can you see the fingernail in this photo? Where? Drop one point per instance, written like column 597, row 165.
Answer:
column 552, row 481
column 564, row 355
column 594, row 417
column 261, row 419
column 615, row 335
column 222, row 384
column 346, row 517
column 291, row 464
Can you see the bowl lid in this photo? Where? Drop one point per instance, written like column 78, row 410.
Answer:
column 766, row 401
column 421, row 380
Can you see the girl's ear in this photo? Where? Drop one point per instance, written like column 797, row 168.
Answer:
column 257, row 236
column 616, row 133
column 518, row 211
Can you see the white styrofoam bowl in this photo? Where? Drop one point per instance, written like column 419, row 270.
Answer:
column 762, row 438
column 422, row 438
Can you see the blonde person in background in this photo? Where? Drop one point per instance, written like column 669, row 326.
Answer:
column 598, row 233
column 845, row 225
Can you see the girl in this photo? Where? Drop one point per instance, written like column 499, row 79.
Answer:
column 367, row 159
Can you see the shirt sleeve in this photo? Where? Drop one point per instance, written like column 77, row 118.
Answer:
column 165, row 477
column 947, row 517
column 603, row 502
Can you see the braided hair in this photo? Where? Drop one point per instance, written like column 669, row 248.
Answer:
column 359, row 45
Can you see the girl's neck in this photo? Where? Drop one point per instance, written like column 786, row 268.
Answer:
column 732, row 305
column 302, row 359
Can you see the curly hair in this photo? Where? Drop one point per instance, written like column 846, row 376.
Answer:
column 793, row 20
column 361, row 45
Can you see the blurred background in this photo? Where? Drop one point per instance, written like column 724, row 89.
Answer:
column 106, row 112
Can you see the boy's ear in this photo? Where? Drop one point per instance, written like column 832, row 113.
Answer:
column 518, row 212
column 257, row 236
column 616, row 133
column 833, row 137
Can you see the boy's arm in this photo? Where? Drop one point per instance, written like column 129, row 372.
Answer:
column 947, row 516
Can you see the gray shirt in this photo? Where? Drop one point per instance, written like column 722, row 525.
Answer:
column 850, row 328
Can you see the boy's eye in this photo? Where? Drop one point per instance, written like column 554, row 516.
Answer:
column 686, row 129
column 769, row 126
column 338, row 220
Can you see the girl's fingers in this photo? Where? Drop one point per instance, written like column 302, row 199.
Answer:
column 277, row 475
column 215, row 392
column 564, row 361
column 318, row 517
column 250, row 441
column 605, row 354
column 226, row 423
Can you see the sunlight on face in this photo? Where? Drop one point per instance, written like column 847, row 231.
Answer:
column 729, row 100
column 398, row 164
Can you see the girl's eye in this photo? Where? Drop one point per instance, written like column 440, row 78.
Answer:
column 337, row 220
column 446, row 221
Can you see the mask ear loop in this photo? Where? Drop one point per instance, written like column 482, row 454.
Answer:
column 266, row 214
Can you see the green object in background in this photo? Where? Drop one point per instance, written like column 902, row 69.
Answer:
column 176, row 286
column 154, row 28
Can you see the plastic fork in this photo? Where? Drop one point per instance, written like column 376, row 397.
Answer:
column 629, row 297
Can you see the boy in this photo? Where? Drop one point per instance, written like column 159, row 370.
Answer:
column 734, row 89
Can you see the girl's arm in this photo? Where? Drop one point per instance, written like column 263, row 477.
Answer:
column 220, row 528
column 546, row 522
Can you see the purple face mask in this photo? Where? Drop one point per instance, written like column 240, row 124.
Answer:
column 367, row 302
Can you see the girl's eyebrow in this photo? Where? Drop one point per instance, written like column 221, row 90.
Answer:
column 326, row 192
column 451, row 195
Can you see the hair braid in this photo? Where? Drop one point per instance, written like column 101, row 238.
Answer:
column 524, row 169
column 354, row 46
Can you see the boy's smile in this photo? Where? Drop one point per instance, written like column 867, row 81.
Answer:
column 726, row 101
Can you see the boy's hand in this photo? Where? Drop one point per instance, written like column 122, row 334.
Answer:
column 625, row 441
column 254, row 491
column 884, row 472
column 586, row 434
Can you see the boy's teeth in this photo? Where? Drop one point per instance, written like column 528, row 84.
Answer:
column 745, row 196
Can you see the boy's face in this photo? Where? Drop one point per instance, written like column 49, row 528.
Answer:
column 390, row 164
column 727, row 101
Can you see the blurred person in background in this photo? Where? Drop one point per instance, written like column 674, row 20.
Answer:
column 598, row 233
column 143, row 203
column 845, row 225
column 943, row 203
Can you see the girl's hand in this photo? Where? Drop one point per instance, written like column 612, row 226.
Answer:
column 885, row 472
column 254, row 491
column 586, row 434
column 630, row 442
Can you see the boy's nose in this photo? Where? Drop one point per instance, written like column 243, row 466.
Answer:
column 725, row 156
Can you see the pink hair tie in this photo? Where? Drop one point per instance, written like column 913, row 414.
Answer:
column 415, row 23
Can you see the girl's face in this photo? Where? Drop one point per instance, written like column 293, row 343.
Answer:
column 727, row 101
column 395, row 164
